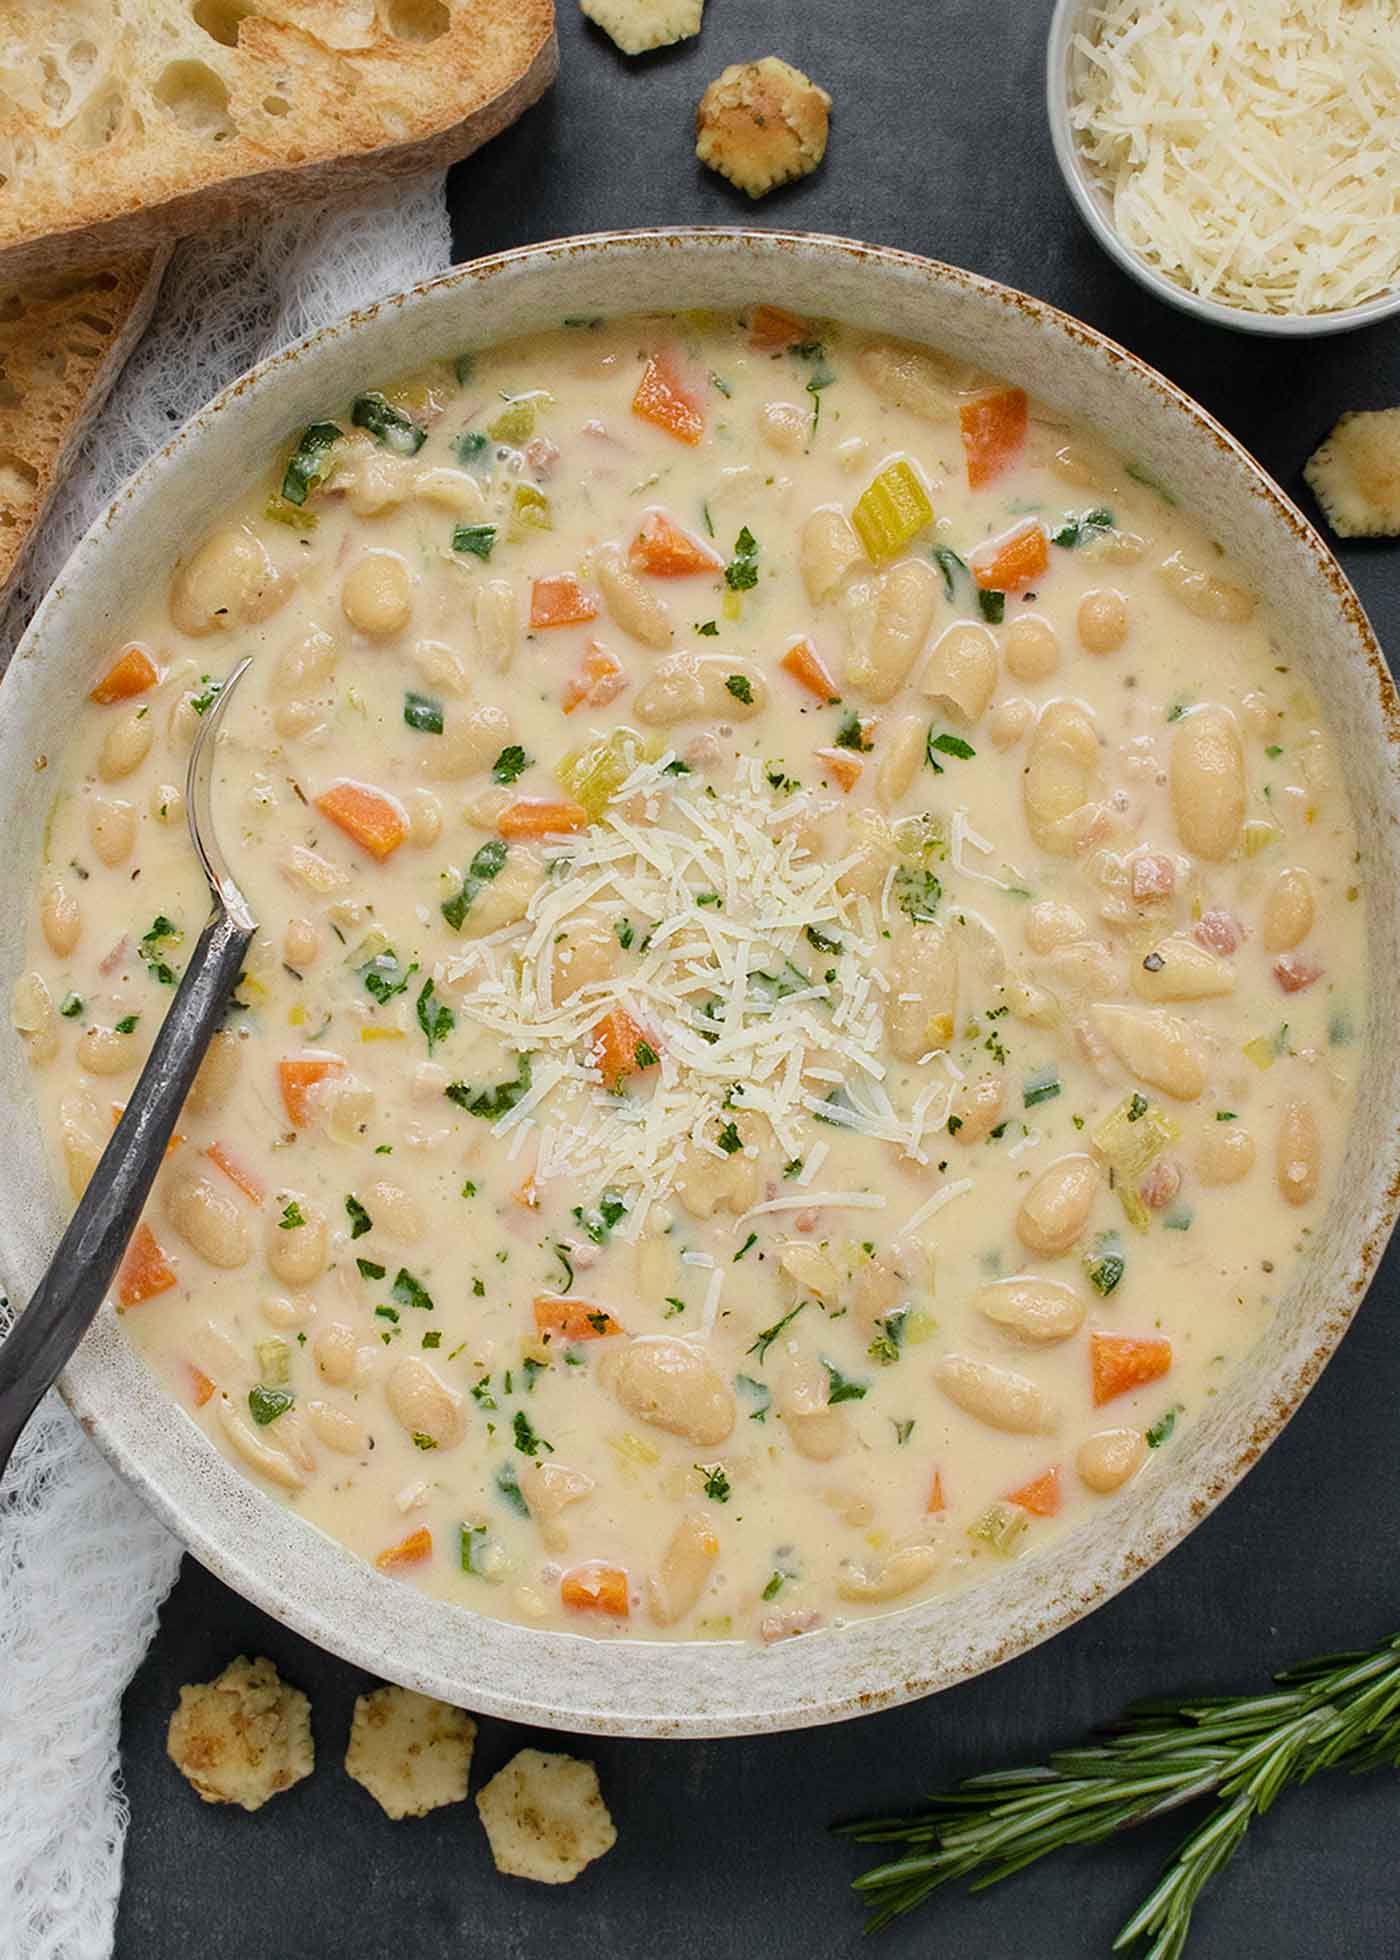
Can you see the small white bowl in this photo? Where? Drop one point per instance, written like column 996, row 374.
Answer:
column 1095, row 208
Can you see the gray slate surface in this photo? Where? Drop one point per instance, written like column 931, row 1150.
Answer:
column 939, row 146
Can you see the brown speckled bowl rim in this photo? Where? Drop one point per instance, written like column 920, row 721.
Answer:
column 623, row 1686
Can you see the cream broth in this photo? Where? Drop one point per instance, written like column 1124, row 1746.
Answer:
column 805, row 997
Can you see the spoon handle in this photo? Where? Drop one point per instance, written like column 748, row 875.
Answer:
column 67, row 1298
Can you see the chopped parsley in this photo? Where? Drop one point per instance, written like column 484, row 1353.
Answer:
column 917, row 892
column 127, row 1024
column 1082, row 530
column 775, row 1584
column 793, row 1167
column 422, row 1441
column 1041, row 1085
column 266, row 1404
column 766, row 1339
column 822, row 942
column 369, row 1268
column 716, row 1484
column 944, row 744
column 508, row 1484
column 709, row 630
column 491, row 1103
column 841, row 1388
column 598, row 1220
column 70, row 1007
column 423, row 712
column 993, row 606
column 888, row 1343
column 1161, row 1430
column 383, row 976
column 410, row 1292
column 903, row 1430
column 480, row 1393
column 436, row 1022
column 949, row 563
column 360, row 1220
column 741, row 687
column 674, row 1306
column 644, row 1055
column 292, row 1216
column 749, row 1243
column 526, row 1439
column 511, row 763
column 1104, row 1264
column 851, row 735
column 486, row 865
column 759, row 1394
column 161, row 931
column 729, row 1139
column 741, row 573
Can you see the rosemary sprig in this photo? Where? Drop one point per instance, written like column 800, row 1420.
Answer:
column 1341, row 1711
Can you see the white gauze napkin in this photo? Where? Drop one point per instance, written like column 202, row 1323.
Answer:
column 83, row 1565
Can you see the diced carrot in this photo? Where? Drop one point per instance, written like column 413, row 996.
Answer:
column 770, row 329
column 1041, row 1495
column 201, row 1385
column 664, row 550
column 368, row 817
column 132, row 672
column 1120, row 1362
column 560, row 600
column 841, row 764
column 993, row 430
column 1013, row 561
column 619, row 1048
column 250, row 1186
column 936, row 1500
column 601, row 681
column 1218, row 932
column 409, row 1551
column 535, row 816
column 662, row 399
column 596, row 1588
column 575, row 1320
column 298, row 1076
column 527, row 1193
column 177, row 1137
column 145, row 1270
column 808, row 668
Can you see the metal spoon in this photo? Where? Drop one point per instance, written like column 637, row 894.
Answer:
column 67, row 1298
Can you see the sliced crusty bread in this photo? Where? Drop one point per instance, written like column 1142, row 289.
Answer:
column 126, row 122
column 62, row 344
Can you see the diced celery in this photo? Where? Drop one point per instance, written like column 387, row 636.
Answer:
column 281, row 512
column 514, row 425
column 889, row 511
column 633, row 1449
column 1261, row 1051
column 1258, row 835
column 1134, row 1209
column 530, row 511
column 919, row 1327
column 482, row 1556
column 592, row 774
column 274, row 1357
column 999, row 1526
column 1131, row 1135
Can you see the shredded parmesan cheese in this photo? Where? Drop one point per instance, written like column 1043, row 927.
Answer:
column 1250, row 149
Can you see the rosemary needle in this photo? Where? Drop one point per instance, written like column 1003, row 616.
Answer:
column 1341, row 1711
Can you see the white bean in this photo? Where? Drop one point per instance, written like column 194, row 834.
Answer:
column 921, row 1006
column 1109, row 1458
column 1061, row 780
column 674, row 1387
column 296, row 1254
column 1208, row 782
column 32, row 1015
column 630, row 605
column 1224, row 1155
column 230, row 581
column 207, row 1221
column 424, row 1405
column 396, row 1215
column 1102, row 620
column 1177, row 968
column 126, row 745
column 1031, row 648
column 684, row 1571
column 335, row 1351
column 454, row 490
column 61, row 918
column 1158, row 1048
column 108, row 1051
column 217, row 1075
column 962, row 671
column 1206, row 596
column 783, row 426
column 829, row 549
column 1289, row 910
column 901, row 753
column 1037, row 1311
column 879, row 660
column 337, row 1428
column 1298, row 1158
column 301, row 942
column 996, row 1396
column 376, row 595
column 897, row 1573
column 685, row 687
column 1055, row 1210
column 111, row 827
column 496, row 616
column 268, row 1461
column 920, row 383
column 976, row 1108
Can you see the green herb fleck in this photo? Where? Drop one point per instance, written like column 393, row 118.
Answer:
column 741, row 574
column 422, row 712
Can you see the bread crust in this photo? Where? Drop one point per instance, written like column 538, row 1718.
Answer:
column 350, row 116
column 63, row 342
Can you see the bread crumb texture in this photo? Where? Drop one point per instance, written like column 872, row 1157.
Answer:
column 638, row 26
column 761, row 124
column 1355, row 474
column 545, row 1817
column 62, row 339
column 412, row 1754
column 243, row 1737
column 112, row 106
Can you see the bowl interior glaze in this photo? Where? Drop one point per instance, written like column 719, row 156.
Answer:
column 633, row 1687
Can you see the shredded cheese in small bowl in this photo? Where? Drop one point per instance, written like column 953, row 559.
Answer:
column 1241, row 158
